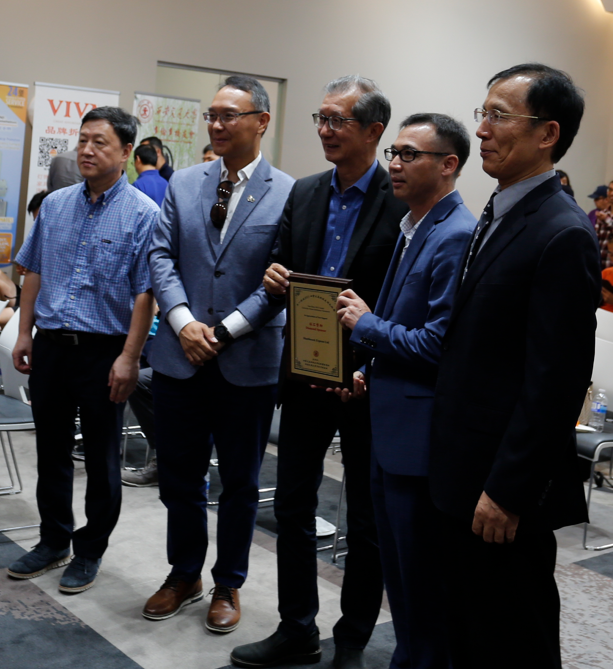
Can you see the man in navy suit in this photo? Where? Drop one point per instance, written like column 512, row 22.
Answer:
column 217, row 351
column 517, row 360
column 403, row 337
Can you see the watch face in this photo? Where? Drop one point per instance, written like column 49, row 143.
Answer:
column 221, row 332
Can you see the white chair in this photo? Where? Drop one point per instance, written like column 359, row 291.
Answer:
column 604, row 327
column 15, row 413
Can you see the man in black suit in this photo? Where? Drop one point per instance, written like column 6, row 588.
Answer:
column 345, row 223
column 517, row 360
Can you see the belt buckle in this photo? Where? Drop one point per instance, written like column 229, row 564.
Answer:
column 75, row 339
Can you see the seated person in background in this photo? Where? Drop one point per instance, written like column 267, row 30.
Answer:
column 162, row 165
column 604, row 227
column 607, row 279
column 565, row 181
column 149, row 180
column 601, row 203
column 208, row 155
column 141, row 403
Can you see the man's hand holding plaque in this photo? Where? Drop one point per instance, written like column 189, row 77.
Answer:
column 350, row 308
column 276, row 279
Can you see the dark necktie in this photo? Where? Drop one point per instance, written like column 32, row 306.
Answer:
column 482, row 226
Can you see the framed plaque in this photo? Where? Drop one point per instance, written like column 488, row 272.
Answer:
column 319, row 350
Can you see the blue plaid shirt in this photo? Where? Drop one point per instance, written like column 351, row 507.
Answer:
column 92, row 257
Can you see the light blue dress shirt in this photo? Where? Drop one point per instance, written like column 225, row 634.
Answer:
column 92, row 257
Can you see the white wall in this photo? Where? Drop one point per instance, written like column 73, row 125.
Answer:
column 428, row 55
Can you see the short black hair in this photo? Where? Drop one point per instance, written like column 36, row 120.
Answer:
column 552, row 96
column 154, row 141
column 125, row 125
column 452, row 133
column 243, row 82
column 37, row 200
column 207, row 148
column 147, row 154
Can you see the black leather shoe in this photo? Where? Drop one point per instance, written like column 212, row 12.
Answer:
column 277, row 649
column 348, row 658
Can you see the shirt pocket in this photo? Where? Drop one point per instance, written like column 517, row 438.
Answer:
column 112, row 261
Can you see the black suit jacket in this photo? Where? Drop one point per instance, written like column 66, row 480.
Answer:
column 517, row 359
column 303, row 228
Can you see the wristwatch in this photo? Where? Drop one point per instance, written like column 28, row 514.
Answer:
column 222, row 334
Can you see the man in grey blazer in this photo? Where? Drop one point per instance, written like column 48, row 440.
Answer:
column 217, row 352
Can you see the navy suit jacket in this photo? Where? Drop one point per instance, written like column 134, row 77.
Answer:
column 188, row 265
column 516, row 364
column 405, row 334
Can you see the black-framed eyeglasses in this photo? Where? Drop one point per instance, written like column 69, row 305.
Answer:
column 409, row 155
column 334, row 122
column 493, row 116
column 219, row 211
column 227, row 118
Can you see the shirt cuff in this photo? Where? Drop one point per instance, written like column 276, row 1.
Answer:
column 179, row 317
column 237, row 324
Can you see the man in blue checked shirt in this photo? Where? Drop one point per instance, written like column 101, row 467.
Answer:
column 87, row 290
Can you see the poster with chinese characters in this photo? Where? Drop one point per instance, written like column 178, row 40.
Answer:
column 57, row 114
column 13, row 112
column 174, row 121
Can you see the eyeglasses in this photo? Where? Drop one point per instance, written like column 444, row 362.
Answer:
column 493, row 116
column 409, row 155
column 334, row 122
column 227, row 118
column 219, row 211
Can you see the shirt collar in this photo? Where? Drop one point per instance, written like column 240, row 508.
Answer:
column 243, row 175
column 506, row 199
column 405, row 223
column 109, row 194
column 362, row 183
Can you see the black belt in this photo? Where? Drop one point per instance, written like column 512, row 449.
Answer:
column 74, row 338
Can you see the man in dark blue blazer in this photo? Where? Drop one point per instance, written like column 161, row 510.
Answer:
column 403, row 337
column 516, row 364
column 217, row 351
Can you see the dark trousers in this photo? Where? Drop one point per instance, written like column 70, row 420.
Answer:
column 64, row 378
column 406, row 524
column 309, row 420
column 141, row 403
column 187, row 412
column 503, row 602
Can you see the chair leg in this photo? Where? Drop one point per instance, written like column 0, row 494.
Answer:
column 589, row 497
column 8, row 490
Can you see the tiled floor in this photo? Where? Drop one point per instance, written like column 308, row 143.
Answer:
column 135, row 566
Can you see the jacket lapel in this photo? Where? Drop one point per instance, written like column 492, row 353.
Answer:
column 373, row 200
column 208, row 196
column 382, row 300
column 255, row 189
column 510, row 226
column 317, row 219
column 438, row 213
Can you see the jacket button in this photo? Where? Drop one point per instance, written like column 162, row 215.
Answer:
column 217, row 274
column 445, row 347
column 210, row 310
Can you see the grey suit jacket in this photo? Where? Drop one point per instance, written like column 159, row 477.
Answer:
column 189, row 266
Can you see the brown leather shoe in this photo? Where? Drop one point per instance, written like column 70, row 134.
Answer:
column 171, row 598
column 225, row 611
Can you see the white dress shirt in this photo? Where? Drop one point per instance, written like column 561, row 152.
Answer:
column 236, row 323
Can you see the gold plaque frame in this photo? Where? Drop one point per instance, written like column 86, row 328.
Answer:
column 319, row 350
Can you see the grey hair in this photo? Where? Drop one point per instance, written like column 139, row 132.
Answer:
column 372, row 106
column 243, row 82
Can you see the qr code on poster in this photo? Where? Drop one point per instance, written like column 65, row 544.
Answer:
column 48, row 148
